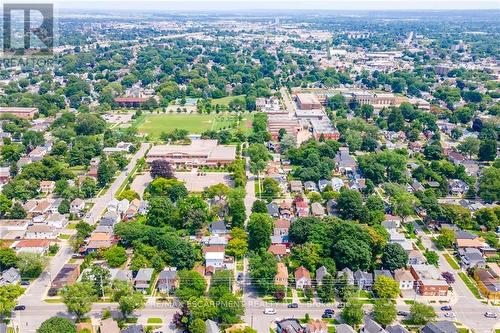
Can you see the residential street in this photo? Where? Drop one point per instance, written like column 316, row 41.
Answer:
column 101, row 202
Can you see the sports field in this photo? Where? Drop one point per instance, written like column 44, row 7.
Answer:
column 154, row 124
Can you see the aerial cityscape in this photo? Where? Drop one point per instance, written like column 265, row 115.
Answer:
column 250, row 167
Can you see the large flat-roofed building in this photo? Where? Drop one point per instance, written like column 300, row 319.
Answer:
column 198, row 153
column 308, row 101
column 132, row 102
column 324, row 128
column 275, row 123
column 25, row 113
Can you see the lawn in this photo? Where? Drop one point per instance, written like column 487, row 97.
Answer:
column 226, row 100
column 472, row 287
column 155, row 124
column 155, row 320
column 451, row 261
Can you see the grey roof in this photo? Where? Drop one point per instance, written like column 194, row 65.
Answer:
column 290, row 325
column 360, row 275
column 444, row 326
column 389, row 224
column 462, row 234
column 273, row 209
column 344, row 328
column 372, row 327
column 320, row 274
column 217, row 226
column 396, row 329
column 211, row 326
column 144, row 274
column 3, row 328
column 169, row 274
column 11, row 275
column 123, row 275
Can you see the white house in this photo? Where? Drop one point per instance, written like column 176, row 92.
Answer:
column 76, row 206
column 57, row 220
column 41, row 231
column 405, row 279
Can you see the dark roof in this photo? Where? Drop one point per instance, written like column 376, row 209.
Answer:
column 462, row 234
column 439, row 327
column 133, row 329
column 290, row 325
column 396, row 329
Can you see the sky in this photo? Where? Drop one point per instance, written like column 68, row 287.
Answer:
column 201, row 5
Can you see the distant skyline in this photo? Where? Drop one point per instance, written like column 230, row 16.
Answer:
column 228, row 5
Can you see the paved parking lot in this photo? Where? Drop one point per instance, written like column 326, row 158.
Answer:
column 195, row 182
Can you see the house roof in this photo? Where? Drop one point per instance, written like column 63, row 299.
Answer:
column 372, row 327
column 282, row 271
column 109, row 326
column 444, row 326
column 301, row 273
column 316, row 325
column 213, row 248
column 344, row 328
column 462, row 234
column 32, row 243
column 144, row 274
column 396, row 329
column 476, row 242
column 169, row 273
column 403, row 275
column 277, row 249
column 282, row 224
column 211, row 326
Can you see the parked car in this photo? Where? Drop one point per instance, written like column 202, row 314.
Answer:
column 19, row 308
column 340, row 305
column 269, row 311
column 450, row 315
column 329, row 311
column 293, row 305
column 327, row 315
column 25, row 283
column 403, row 313
column 490, row 315
column 446, row 308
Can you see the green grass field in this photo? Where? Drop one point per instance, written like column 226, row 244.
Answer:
column 155, row 124
column 226, row 100
column 451, row 261
column 472, row 287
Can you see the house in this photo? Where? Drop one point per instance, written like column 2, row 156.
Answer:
column 331, row 207
column 281, row 277
column 337, row 184
column 404, row 278
column 316, row 326
column 65, row 277
column 381, row 272
column 476, row 243
column 321, row 272
column 444, row 326
column 4, row 175
column 344, row 161
column 47, row 186
column 471, row 257
column 457, row 187
column 167, row 280
column 218, row 228
column 428, row 280
column 317, row 209
column 389, row 225
column 273, row 209
column 278, row 250
column 363, row 280
column 285, row 210
column 38, row 246
column 41, row 231
column 77, row 206
column 121, row 274
column 488, row 281
column 289, row 325
column 396, row 329
column 99, row 240
column 302, row 278
column 323, row 183
column 10, row 276
column 348, row 274
column 281, row 228
column 370, row 326
column 295, row 186
column 143, row 279
column 56, row 220
column 310, row 186
column 344, row 328
column 301, row 207
column 110, row 218
column 462, row 234
column 211, row 326
column 415, row 257
column 109, row 326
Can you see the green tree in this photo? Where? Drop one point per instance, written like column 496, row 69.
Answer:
column 469, row 146
column 128, row 299
column 88, row 188
column 350, row 204
column 8, row 298
column 259, row 231
column 270, row 188
column 487, row 150
column 421, row 314
column 197, row 326
column 353, row 313
column 78, row 298
column 8, row 258
column 30, row 265
column 115, row 256
column 432, row 257
column 5, row 204
column 384, row 312
column 57, row 324
column 445, row 239
column 386, row 287
column 352, row 253
column 489, row 184
column 191, row 284
column 258, row 206
column 394, row 257
column 105, row 171
column 326, row 290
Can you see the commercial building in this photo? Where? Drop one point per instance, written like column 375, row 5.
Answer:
column 130, row 102
column 25, row 113
column 67, row 276
column 197, row 153
column 290, row 125
column 308, row 101
column 429, row 281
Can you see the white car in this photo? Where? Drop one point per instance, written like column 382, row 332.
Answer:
column 269, row 311
column 450, row 315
